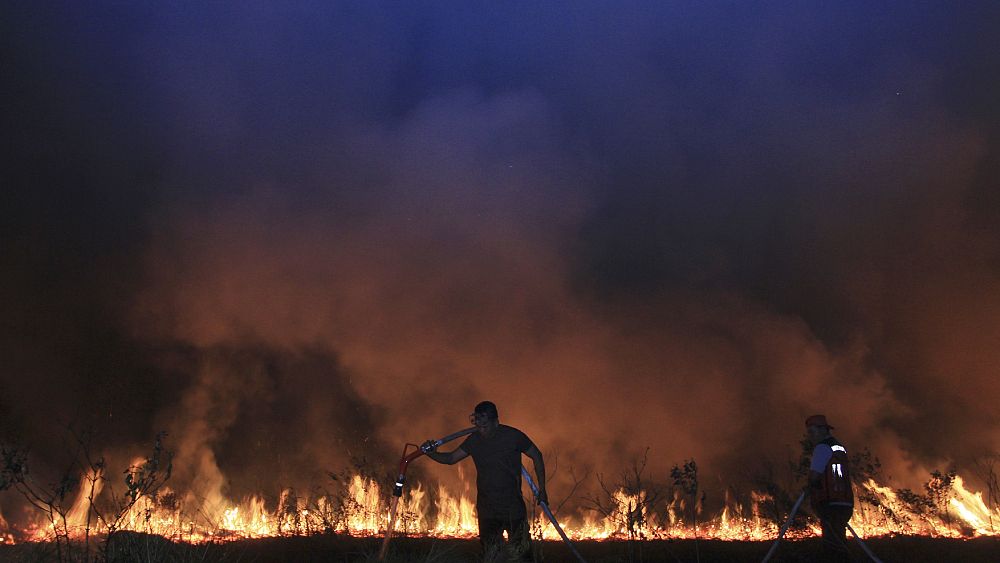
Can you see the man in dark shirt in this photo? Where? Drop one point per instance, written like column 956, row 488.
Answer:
column 496, row 450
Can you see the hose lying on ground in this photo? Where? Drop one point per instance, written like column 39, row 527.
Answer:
column 784, row 528
column 551, row 517
column 791, row 516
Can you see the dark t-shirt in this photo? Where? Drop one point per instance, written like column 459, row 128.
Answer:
column 498, row 472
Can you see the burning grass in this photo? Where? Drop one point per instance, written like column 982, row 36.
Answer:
column 632, row 517
column 360, row 508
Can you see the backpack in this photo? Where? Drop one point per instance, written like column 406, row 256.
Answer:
column 835, row 484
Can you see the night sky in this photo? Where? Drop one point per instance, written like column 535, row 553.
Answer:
column 294, row 235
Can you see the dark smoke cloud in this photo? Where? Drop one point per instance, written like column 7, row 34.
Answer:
column 292, row 236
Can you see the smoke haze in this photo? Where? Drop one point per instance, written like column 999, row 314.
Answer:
column 297, row 236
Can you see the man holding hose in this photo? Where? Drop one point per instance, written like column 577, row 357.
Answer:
column 496, row 450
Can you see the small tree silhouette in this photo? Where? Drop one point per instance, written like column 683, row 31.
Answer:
column 685, row 478
column 104, row 509
column 628, row 503
column 987, row 466
column 939, row 491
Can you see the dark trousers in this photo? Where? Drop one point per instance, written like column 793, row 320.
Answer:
column 518, row 545
column 833, row 519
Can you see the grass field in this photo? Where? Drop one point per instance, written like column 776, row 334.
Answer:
column 336, row 548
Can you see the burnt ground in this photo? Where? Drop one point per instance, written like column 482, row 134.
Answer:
column 335, row 548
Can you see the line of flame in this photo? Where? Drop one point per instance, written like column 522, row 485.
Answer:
column 362, row 511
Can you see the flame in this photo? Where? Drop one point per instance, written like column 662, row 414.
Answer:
column 361, row 509
column 5, row 536
column 456, row 516
column 970, row 507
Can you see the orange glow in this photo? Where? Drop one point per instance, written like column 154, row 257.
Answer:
column 362, row 510
column 5, row 536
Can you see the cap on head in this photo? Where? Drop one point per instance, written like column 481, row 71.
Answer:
column 487, row 408
column 818, row 420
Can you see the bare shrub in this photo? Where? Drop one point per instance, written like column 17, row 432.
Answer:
column 101, row 504
column 629, row 504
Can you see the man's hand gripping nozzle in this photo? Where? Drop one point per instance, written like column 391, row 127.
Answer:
column 397, row 488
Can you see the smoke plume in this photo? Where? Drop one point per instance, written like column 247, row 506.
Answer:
column 297, row 237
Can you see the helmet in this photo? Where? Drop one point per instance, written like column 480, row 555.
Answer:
column 818, row 420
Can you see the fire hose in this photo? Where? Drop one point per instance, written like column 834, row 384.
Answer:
column 863, row 546
column 784, row 528
column 788, row 522
column 397, row 490
column 551, row 517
